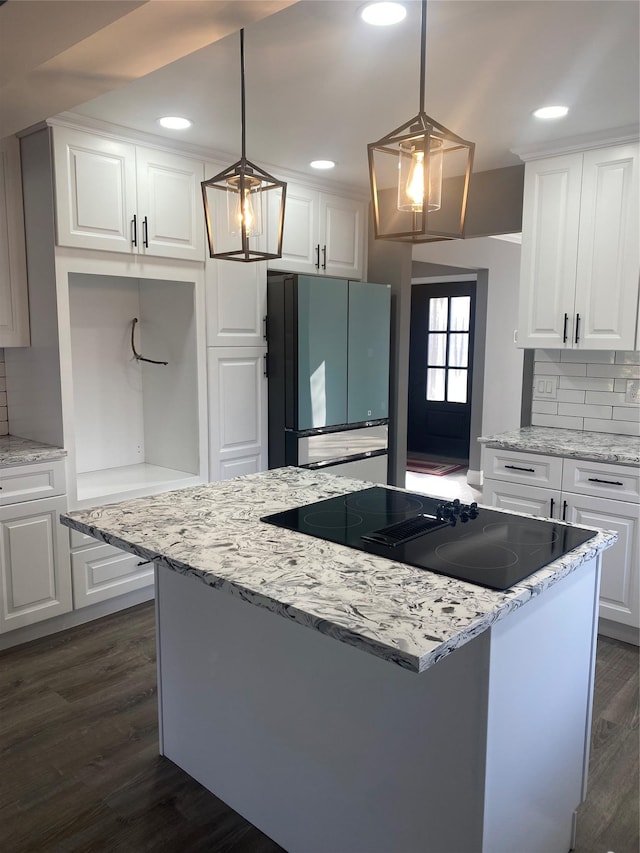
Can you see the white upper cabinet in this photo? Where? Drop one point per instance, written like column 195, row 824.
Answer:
column 323, row 233
column 580, row 261
column 236, row 303
column 14, row 302
column 114, row 196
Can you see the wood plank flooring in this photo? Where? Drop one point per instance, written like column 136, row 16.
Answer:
column 80, row 771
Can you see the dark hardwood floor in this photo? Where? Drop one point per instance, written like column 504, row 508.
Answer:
column 79, row 769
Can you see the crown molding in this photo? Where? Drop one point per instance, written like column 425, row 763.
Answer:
column 582, row 142
column 218, row 159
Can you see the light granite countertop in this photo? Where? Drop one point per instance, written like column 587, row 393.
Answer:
column 23, row 451
column 405, row 615
column 573, row 443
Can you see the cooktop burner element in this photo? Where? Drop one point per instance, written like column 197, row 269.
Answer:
column 463, row 541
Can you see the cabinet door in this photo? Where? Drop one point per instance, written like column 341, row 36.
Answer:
column 236, row 296
column 300, row 244
column 619, row 588
column 322, row 352
column 608, row 254
column 34, row 563
column 341, row 236
column 95, row 181
column 14, row 304
column 238, row 441
column 551, row 213
column 517, row 497
column 369, row 329
column 170, row 212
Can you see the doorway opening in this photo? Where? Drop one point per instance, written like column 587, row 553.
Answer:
column 440, row 374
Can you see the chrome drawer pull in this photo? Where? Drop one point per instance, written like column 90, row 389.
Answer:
column 517, row 468
column 608, row 482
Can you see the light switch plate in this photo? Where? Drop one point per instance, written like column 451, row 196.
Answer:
column 545, row 388
column 632, row 394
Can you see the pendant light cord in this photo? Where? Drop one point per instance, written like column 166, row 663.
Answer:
column 242, row 98
column 423, row 55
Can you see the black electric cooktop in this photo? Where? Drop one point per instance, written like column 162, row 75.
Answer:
column 463, row 541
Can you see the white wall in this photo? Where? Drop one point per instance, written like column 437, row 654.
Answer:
column 503, row 361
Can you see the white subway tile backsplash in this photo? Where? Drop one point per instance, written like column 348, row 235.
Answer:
column 547, row 355
column 583, row 383
column 544, row 407
column 605, row 398
column 617, row 371
column 566, row 395
column 620, row 427
column 587, row 356
column 626, row 413
column 628, row 357
column 560, row 421
column 592, row 388
column 584, row 411
column 557, row 369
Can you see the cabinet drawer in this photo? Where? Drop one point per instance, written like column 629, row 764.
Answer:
column 105, row 572
column 31, row 482
column 517, row 467
column 515, row 497
column 599, row 479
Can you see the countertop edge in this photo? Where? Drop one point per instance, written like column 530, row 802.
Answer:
column 535, row 585
column 568, row 444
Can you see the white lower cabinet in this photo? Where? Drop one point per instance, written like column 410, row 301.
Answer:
column 34, row 562
column 593, row 494
column 237, row 411
column 101, row 572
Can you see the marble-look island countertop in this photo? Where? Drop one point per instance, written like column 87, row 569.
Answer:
column 23, row 451
column 572, row 443
column 405, row 615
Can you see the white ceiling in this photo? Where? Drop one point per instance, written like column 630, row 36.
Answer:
column 321, row 83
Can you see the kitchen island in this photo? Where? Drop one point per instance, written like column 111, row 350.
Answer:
column 389, row 708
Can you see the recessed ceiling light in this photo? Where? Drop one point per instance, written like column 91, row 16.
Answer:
column 174, row 122
column 322, row 164
column 551, row 112
column 383, row 14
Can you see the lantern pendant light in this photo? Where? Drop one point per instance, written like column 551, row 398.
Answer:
column 234, row 202
column 419, row 175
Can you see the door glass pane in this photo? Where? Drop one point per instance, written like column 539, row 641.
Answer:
column 437, row 351
column 457, row 391
column 435, row 384
column 438, row 314
column 460, row 307
column 458, row 350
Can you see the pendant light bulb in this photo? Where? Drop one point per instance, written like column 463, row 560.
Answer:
column 417, row 180
column 244, row 206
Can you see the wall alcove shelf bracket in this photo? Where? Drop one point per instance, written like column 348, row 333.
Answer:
column 136, row 354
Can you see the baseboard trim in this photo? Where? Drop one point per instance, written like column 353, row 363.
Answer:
column 624, row 633
column 76, row 617
column 474, row 478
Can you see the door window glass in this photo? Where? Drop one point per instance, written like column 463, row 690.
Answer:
column 448, row 349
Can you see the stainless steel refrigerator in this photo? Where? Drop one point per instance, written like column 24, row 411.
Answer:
column 328, row 368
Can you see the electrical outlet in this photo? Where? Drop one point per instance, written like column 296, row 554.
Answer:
column 632, row 394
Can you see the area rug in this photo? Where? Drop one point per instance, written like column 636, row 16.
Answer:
column 437, row 468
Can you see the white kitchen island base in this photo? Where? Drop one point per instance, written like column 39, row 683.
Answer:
column 328, row 749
